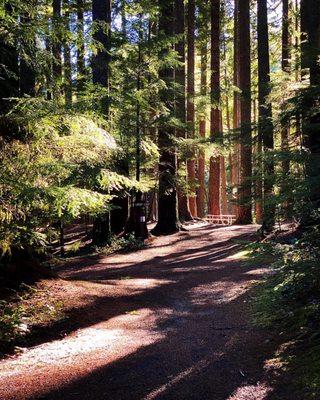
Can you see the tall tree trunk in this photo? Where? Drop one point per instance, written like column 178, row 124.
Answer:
column 9, row 80
column 235, row 159
column 180, row 103
column 123, row 18
column 101, row 16
column 310, row 27
column 167, row 202
column 245, row 191
column 139, row 214
column 223, row 174
column 258, row 153
column 191, row 163
column 285, row 125
column 56, row 47
column 81, row 70
column 27, row 74
column 265, row 125
column 201, row 195
column 67, row 59
column 215, row 115
column 223, row 186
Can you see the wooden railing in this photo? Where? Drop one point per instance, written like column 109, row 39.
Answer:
column 220, row 219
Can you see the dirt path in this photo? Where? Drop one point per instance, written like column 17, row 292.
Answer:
column 167, row 322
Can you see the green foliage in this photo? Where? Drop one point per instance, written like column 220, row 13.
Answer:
column 126, row 243
column 26, row 308
column 53, row 174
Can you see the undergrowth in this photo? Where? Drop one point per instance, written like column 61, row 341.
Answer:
column 288, row 301
column 27, row 308
column 126, row 244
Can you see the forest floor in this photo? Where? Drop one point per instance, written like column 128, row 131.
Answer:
column 170, row 321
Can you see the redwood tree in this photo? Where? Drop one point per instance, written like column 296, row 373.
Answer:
column 101, row 16
column 285, row 125
column 167, row 201
column 310, row 27
column 180, row 101
column 235, row 160
column 56, row 46
column 191, row 164
column 265, row 125
column 203, row 38
column 245, row 192
column 215, row 116
column 80, row 45
column 67, row 67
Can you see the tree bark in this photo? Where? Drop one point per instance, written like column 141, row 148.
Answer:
column 285, row 125
column 235, row 159
column 191, row 164
column 9, row 81
column 202, row 194
column 67, row 59
column 81, row 69
column 215, row 115
column 310, row 27
column 101, row 16
column 167, row 201
column 245, row 190
column 56, row 47
column 27, row 71
column 265, row 125
column 180, row 101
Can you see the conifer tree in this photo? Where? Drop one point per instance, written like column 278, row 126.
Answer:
column 245, row 153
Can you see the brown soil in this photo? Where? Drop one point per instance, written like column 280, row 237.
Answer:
column 171, row 321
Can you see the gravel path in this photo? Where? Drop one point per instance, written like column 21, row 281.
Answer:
column 171, row 321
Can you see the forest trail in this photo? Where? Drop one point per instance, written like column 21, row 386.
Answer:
column 171, row 321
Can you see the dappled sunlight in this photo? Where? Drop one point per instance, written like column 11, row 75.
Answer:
column 172, row 381
column 257, row 272
column 219, row 292
column 260, row 391
column 152, row 326
column 240, row 255
column 139, row 283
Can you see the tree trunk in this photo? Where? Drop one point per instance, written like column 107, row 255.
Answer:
column 180, row 101
column 285, row 125
column 81, row 70
column 139, row 211
column 215, row 115
column 56, row 47
column 101, row 16
column 223, row 187
column 9, row 81
column 310, row 27
column 67, row 59
column 202, row 195
column 265, row 125
column 167, row 202
column 245, row 191
column 26, row 70
column 235, row 160
column 191, row 163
